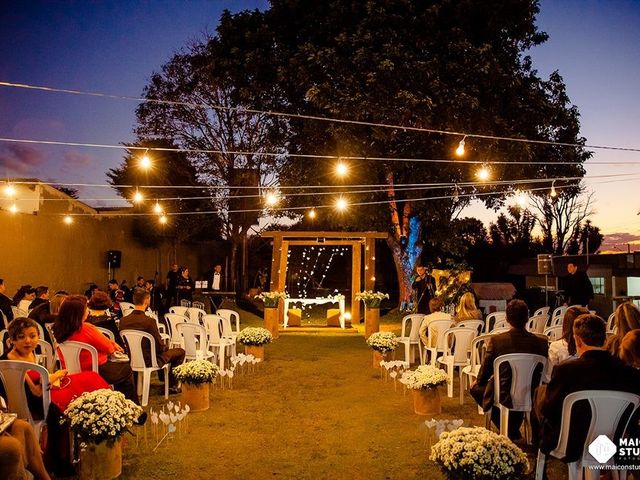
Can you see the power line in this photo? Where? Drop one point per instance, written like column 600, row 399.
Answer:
column 314, row 117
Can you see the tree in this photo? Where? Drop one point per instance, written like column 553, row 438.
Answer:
column 456, row 66
column 70, row 191
column 228, row 147
column 169, row 170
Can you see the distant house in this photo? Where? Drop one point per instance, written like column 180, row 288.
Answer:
column 612, row 276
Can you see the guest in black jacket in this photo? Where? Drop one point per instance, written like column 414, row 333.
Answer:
column 5, row 302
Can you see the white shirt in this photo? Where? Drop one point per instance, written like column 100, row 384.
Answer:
column 23, row 307
column 216, row 281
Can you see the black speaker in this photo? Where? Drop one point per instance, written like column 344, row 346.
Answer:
column 114, row 257
column 545, row 264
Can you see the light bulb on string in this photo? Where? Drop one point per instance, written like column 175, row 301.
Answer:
column 68, row 219
column 460, row 149
column 13, row 208
column 9, row 190
column 483, row 173
column 163, row 219
column 521, row 199
column 145, row 161
column 553, row 193
column 157, row 208
column 312, row 213
column 271, row 199
column 138, row 197
column 341, row 169
column 341, row 204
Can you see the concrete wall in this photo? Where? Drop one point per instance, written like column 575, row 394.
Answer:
column 37, row 247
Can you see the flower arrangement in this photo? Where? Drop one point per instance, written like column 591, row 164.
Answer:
column 371, row 299
column 196, row 372
column 101, row 415
column 271, row 299
column 425, row 376
column 255, row 336
column 476, row 453
column 336, row 296
column 383, row 342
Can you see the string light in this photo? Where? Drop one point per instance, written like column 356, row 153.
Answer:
column 460, row 149
column 9, row 190
column 342, row 169
column 163, row 219
column 521, row 199
column 13, row 208
column 341, row 204
column 553, row 193
column 138, row 197
column 157, row 208
column 308, row 117
column 312, row 214
column 271, row 199
column 483, row 173
column 68, row 219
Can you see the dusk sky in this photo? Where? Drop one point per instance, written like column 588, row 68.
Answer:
column 113, row 47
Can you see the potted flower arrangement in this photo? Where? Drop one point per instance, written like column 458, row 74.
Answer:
column 100, row 419
column 196, row 376
column 475, row 453
column 382, row 343
column 271, row 301
column 254, row 339
column 424, row 382
column 372, row 301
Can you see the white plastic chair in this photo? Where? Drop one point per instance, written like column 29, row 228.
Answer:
column 173, row 320
column 194, row 341
column 478, row 348
column 557, row 316
column 608, row 409
column 179, row 310
column 46, row 355
column 107, row 333
column 436, row 347
column 522, row 366
column 457, row 341
column 69, row 355
column 477, row 324
column 611, row 327
column 4, row 335
column 233, row 317
column 542, row 311
column 199, row 305
column 499, row 325
column 499, row 330
column 12, row 376
column 134, row 338
column 537, row 323
column 553, row 333
column 195, row 315
column 185, row 303
column 5, row 321
column 217, row 343
column 413, row 339
column 492, row 319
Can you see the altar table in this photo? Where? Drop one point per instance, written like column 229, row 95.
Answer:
column 314, row 301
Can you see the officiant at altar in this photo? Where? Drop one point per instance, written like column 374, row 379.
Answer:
column 424, row 287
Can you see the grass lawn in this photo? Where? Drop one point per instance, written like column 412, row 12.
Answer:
column 315, row 409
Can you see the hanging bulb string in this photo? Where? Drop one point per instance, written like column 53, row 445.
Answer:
column 272, row 113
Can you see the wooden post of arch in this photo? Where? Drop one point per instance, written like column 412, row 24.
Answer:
column 356, row 267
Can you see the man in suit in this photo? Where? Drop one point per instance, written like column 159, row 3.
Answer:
column 594, row 369
column 137, row 320
column 516, row 340
column 577, row 286
column 5, row 302
column 215, row 284
column 424, row 286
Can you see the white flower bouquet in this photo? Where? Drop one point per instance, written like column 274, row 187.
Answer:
column 383, row 342
column 271, row 299
column 255, row 336
column 101, row 415
column 475, row 453
column 371, row 299
column 196, row 372
column 425, row 376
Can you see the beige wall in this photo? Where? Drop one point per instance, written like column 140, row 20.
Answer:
column 40, row 249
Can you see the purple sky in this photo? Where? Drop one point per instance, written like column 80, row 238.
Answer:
column 114, row 47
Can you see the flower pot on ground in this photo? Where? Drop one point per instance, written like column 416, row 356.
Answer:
column 99, row 419
column 196, row 376
column 477, row 454
column 101, row 461
column 382, row 343
column 254, row 339
column 271, row 322
column 424, row 381
column 371, row 321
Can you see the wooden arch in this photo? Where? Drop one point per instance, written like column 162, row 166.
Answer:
column 363, row 245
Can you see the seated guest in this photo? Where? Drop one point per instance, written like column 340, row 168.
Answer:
column 139, row 283
column 467, row 309
column 5, row 302
column 435, row 307
column 20, row 452
column 116, row 294
column 565, row 347
column 89, row 291
column 516, row 340
column 46, row 313
column 71, row 325
column 626, row 318
column 23, row 298
column 137, row 320
column 594, row 369
column 629, row 351
column 42, row 296
column 99, row 315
